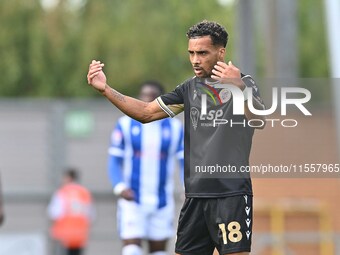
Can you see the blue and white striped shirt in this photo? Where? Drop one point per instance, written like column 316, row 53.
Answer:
column 142, row 157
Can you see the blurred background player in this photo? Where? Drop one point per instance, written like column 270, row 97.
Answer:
column 71, row 209
column 141, row 167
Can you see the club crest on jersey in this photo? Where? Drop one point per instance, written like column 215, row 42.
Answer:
column 225, row 95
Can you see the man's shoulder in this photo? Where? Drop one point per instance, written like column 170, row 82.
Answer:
column 187, row 82
column 191, row 80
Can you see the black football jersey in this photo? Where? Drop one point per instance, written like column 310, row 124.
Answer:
column 217, row 142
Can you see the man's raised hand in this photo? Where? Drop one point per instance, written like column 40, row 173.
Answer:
column 227, row 73
column 95, row 76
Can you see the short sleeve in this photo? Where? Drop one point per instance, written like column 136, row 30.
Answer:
column 172, row 103
column 250, row 83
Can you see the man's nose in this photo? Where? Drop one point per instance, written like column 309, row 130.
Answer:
column 196, row 59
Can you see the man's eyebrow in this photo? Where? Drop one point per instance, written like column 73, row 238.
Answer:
column 197, row 51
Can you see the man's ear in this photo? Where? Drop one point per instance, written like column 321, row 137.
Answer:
column 221, row 54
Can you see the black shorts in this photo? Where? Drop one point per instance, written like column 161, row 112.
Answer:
column 221, row 223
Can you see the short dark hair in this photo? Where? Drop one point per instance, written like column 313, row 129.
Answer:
column 72, row 173
column 155, row 84
column 218, row 34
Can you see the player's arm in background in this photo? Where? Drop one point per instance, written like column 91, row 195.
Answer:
column 136, row 109
column 115, row 164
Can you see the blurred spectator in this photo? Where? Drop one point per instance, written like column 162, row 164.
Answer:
column 71, row 209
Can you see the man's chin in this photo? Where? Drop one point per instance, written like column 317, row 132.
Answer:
column 202, row 75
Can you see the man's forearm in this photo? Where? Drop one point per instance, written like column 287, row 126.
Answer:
column 136, row 109
column 128, row 105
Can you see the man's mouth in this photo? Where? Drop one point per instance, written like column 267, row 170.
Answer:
column 198, row 70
